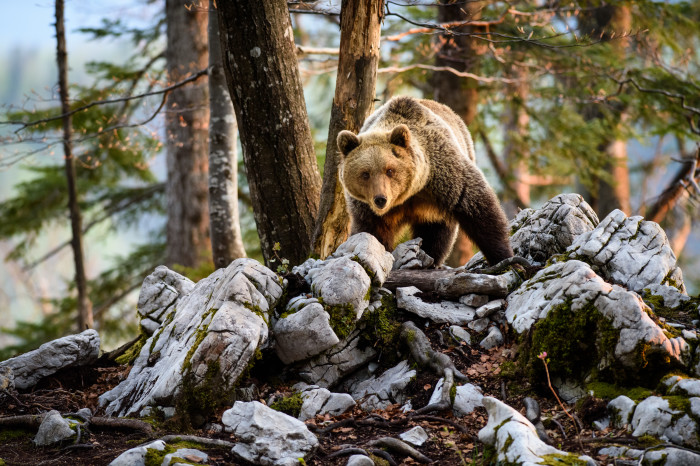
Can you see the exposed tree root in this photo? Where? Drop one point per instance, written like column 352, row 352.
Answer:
column 400, row 447
column 209, row 442
column 503, row 265
column 120, row 423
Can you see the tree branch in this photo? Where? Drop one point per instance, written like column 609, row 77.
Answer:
column 685, row 180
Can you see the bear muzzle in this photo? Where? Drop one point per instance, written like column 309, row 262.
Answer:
column 380, row 201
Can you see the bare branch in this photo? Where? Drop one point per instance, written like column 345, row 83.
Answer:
column 684, row 181
column 462, row 74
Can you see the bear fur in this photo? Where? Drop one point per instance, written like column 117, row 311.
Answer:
column 412, row 164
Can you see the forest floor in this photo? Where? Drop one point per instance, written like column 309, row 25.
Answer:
column 452, row 441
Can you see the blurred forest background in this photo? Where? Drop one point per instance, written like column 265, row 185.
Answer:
column 600, row 98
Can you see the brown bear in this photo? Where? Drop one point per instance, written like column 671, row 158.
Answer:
column 412, row 164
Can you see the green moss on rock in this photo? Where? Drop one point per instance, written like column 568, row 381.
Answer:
column 130, row 355
column 290, row 405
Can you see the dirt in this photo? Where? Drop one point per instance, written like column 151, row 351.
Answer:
column 452, row 441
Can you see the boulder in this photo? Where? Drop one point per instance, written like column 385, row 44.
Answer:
column 208, row 342
column 655, row 416
column 266, row 436
column 159, row 292
column 441, row 312
column 342, row 285
column 137, row 456
column 304, row 333
column 468, row 397
column 584, row 323
column 54, row 429
column 369, row 252
column 409, row 255
column 621, row 410
column 381, row 391
column 629, row 251
column 515, row 439
column 474, row 300
column 71, row 351
column 323, row 401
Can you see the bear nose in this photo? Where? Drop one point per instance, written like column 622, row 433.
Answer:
column 380, row 201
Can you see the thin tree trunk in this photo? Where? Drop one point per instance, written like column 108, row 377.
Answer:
column 187, row 123
column 513, row 152
column 85, row 319
column 460, row 94
column 226, row 239
column 360, row 30
column 263, row 80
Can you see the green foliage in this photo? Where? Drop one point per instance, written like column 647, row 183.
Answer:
column 290, row 405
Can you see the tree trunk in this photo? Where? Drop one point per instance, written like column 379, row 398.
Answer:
column 360, row 30
column 514, row 151
column 226, row 239
column 187, row 123
column 460, row 94
column 264, row 84
column 85, row 319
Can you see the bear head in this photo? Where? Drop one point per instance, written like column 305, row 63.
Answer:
column 378, row 167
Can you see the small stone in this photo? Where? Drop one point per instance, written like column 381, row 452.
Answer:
column 479, row 325
column 53, row 429
column 487, row 309
column 189, row 454
column 304, row 334
column 415, row 436
column 474, row 300
column 461, row 334
column 136, row 456
column 168, row 412
column 493, row 339
column 621, row 409
column 409, row 255
column 602, row 424
column 442, row 312
column 360, row 460
column 690, row 334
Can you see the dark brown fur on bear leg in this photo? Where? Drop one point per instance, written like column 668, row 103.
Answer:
column 438, row 239
column 486, row 225
column 365, row 221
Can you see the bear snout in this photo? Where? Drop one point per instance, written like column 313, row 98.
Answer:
column 380, row 201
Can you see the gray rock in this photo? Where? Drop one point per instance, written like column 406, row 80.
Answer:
column 479, row 325
column 369, row 252
column 221, row 322
column 493, row 339
column 158, row 293
column 618, row 452
column 671, row 457
column 628, row 251
column 326, row 369
column 468, row 397
column 683, row 431
column 381, row 391
column 322, row 401
column 71, row 351
column 442, row 312
column 515, row 438
column 573, row 286
column 54, row 429
column 341, row 282
column 672, row 296
column 493, row 306
column 461, row 334
column 183, row 453
column 474, row 300
column 266, row 436
column 137, row 456
column 688, row 387
column 416, row 436
column 7, row 378
column 360, row 460
column 304, row 334
column 409, row 255
column 652, row 417
column 621, row 410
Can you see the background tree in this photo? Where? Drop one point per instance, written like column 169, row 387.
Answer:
column 186, row 125
column 264, row 83
column 226, row 237
column 360, row 29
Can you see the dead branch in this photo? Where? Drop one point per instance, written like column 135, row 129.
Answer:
column 685, row 180
column 400, row 447
column 452, row 283
column 25, row 420
column 462, row 74
column 121, row 423
column 209, row 442
column 425, row 355
column 445, row 27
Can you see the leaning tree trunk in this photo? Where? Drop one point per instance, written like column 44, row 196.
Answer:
column 84, row 305
column 460, row 94
column 263, row 80
column 187, row 123
column 226, row 239
column 360, row 30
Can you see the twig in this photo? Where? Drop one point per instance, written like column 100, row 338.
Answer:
column 210, row 442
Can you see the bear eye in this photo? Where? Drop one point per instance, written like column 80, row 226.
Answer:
column 390, row 172
column 365, row 176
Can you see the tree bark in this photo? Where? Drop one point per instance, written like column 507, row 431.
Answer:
column 514, row 151
column 360, row 31
column 226, row 238
column 264, row 84
column 460, row 94
column 85, row 319
column 187, row 123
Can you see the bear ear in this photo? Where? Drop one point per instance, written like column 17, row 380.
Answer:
column 400, row 136
column 347, row 141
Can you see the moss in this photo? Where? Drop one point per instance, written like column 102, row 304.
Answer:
column 382, row 328
column 130, row 355
column 508, row 370
column 648, row 441
column 453, row 394
column 610, row 391
column 556, row 459
column 7, row 435
column 678, row 403
column 370, row 272
column 155, row 457
column 257, row 311
column 507, row 443
column 289, row 405
column 379, row 461
column 198, row 399
column 201, row 334
column 342, row 319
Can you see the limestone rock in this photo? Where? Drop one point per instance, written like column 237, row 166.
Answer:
column 71, row 351
column 474, row 300
column 672, row 297
column 304, row 334
column 322, row 401
column 7, row 378
column 629, row 251
column 342, row 282
column 210, row 338
column 683, row 386
column 468, row 397
column 515, row 438
column 671, row 457
column 615, row 320
column 409, row 255
column 266, row 436
column 359, row 460
column 379, row 392
column 442, row 312
column 137, row 456
column 53, row 429
column 652, row 417
column 416, row 436
column 542, row 233
column 491, row 307
column 479, row 325
column 621, row 410
column 461, row 334
column 369, row 252
column 158, row 293
column 326, row 369
column 493, row 339
column 192, row 455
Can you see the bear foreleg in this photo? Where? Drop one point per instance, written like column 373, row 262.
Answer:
column 438, row 239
